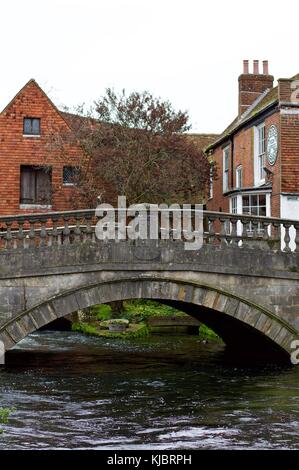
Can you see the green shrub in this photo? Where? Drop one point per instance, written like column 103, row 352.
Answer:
column 4, row 415
column 207, row 333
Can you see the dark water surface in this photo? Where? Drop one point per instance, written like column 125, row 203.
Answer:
column 161, row 392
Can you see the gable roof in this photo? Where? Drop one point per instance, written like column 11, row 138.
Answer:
column 30, row 82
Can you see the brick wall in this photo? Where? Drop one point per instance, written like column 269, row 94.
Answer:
column 289, row 142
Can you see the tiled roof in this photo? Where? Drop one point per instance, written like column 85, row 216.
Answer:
column 203, row 140
column 75, row 121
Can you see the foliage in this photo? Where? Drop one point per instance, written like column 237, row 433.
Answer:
column 207, row 333
column 101, row 312
column 4, row 415
column 133, row 332
column 135, row 310
column 86, row 328
column 140, row 310
column 139, row 143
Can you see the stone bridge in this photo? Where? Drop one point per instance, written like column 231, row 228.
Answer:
column 241, row 283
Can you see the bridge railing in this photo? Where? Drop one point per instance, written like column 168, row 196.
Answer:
column 219, row 229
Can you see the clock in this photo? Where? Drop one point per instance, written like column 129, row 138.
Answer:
column 272, row 144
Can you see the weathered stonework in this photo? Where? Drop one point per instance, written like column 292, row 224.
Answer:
column 233, row 290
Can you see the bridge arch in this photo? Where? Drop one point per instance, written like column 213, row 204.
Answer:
column 241, row 323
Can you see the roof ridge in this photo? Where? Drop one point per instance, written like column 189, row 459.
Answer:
column 32, row 80
column 253, row 105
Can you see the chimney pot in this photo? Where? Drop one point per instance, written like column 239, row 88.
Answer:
column 245, row 67
column 265, row 67
column 252, row 85
column 256, row 67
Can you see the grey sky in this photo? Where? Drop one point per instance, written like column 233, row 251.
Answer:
column 188, row 51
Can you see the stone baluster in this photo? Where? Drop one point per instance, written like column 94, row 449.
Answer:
column 211, row 227
column 245, row 229
column 296, row 226
column 14, row 240
column 223, row 234
column 43, row 234
column 77, row 231
column 276, row 236
column 265, row 234
column 54, row 239
column 8, row 236
column 234, row 235
column 287, row 237
column 88, row 230
column 2, row 235
column 66, row 232
column 31, row 234
column 254, row 224
column 21, row 236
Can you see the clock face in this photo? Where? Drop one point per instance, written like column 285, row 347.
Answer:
column 272, row 144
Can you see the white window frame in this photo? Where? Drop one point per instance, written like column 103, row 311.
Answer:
column 259, row 154
column 258, row 205
column 239, row 176
column 234, row 204
column 211, row 183
column 238, row 203
column 225, row 177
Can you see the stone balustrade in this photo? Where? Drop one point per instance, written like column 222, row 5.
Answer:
column 33, row 231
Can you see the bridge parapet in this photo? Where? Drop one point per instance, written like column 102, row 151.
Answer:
column 219, row 229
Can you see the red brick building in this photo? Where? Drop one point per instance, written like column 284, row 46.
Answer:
column 257, row 156
column 33, row 174
column 37, row 162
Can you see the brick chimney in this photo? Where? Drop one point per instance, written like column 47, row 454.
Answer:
column 252, row 85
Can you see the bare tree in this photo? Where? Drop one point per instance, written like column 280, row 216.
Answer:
column 136, row 145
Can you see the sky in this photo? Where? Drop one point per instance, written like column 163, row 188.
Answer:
column 189, row 52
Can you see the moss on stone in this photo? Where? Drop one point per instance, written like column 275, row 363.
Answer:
column 133, row 331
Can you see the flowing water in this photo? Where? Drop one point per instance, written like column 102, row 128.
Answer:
column 162, row 392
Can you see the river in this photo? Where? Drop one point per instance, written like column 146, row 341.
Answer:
column 162, row 392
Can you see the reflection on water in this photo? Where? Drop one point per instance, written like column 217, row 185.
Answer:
column 161, row 392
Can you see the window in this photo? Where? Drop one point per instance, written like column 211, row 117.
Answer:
column 31, row 126
column 225, row 168
column 254, row 204
column 36, row 185
column 70, row 175
column 260, row 173
column 234, row 207
column 211, row 182
column 239, row 181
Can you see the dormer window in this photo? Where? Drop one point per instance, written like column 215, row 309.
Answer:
column 31, row 127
